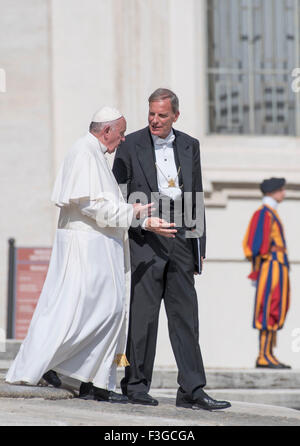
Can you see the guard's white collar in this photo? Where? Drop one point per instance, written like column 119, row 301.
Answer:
column 270, row 202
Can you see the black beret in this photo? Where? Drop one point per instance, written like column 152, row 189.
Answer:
column 271, row 185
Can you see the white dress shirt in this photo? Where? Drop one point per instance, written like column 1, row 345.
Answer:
column 165, row 166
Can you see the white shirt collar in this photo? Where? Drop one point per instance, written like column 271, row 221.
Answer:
column 161, row 141
column 270, row 202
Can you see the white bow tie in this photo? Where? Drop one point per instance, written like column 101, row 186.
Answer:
column 160, row 141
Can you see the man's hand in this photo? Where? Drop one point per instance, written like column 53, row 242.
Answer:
column 160, row 227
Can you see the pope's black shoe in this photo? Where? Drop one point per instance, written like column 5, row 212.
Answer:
column 109, row 396
column 203, row 401
column 86, row 391
column 142, row 398
column 52, row 378
column 89, row 392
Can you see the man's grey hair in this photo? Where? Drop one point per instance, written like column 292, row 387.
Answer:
column 163, row 93
column 97, row 127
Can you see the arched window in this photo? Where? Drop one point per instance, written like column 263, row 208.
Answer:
column 253, row 48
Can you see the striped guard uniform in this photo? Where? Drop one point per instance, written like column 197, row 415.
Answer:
column 265, row 246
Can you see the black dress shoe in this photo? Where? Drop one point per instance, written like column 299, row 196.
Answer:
column 142, row 398
column 89, row 392
column 201, row 402
column 109, row 396
column 52, row 378
column 86, row 391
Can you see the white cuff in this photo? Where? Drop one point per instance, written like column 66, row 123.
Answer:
column 143, row 225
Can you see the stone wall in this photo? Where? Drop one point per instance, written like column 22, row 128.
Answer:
column 66, row 58
column 26, row 167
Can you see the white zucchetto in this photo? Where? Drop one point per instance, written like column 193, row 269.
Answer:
column 106, row 114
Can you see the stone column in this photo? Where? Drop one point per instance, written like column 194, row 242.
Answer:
column 25, row 130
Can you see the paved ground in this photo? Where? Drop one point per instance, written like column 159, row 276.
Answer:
column 75, row 412
column 46, row 406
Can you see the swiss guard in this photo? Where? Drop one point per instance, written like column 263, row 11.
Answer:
column 264, row 245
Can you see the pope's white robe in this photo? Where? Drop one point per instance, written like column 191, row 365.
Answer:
column 79, row 326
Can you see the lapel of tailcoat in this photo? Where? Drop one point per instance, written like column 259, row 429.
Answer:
column 183, row 152
column 146, row 157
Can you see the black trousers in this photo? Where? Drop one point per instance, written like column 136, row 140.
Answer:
column 163, row 268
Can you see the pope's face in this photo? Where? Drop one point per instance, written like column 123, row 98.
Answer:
column 161, row 117
column 115, row 135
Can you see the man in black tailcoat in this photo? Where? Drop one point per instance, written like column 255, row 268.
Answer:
column 161, row 165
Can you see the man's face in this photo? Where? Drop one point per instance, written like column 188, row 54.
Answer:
column 278, row 195
column 161, row 117
column 115, row 134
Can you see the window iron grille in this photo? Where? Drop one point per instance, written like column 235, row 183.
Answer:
column 253, row 48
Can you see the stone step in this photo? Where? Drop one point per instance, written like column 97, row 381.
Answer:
column 270, row 396
column 26, row 391
column 232, row 378
column 166, row 377
column 4, row 365
column 9, row 349
column 288, row 398
column 218, row 379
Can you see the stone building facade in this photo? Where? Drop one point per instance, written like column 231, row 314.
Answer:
column 63, row 59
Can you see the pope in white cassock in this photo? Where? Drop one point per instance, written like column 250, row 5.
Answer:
column 79, row 326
